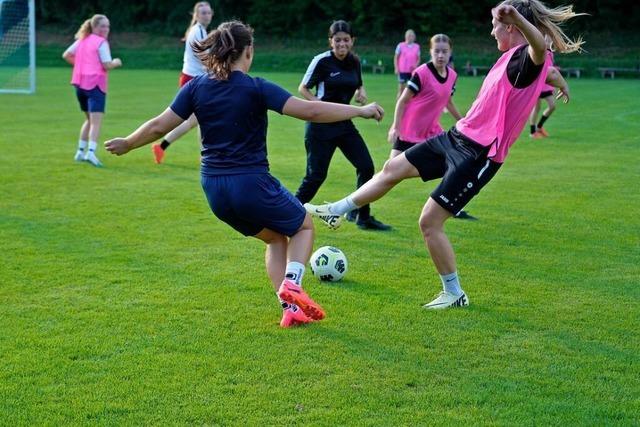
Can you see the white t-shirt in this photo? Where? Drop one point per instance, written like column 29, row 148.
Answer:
column 191, row 64
column 103, row 50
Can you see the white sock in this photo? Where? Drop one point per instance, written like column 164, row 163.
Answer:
column 82, row 145
column 343, row 206
column 294, row 272
column 451, row 283
column 92, row 146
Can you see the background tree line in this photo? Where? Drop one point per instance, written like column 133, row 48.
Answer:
column 373, row 19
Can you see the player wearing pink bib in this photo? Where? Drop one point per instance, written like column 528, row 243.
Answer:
column 91, row 59
column 469, row 155
column 406, row 59
column 536, row 129
column 428, row 92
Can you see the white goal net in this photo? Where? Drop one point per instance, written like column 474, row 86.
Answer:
column 17, row 46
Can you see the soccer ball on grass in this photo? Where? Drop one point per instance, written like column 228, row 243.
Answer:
column 328, row 264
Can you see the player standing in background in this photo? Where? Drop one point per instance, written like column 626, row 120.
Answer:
column 337, row 75
column 90, row 56
column 429, row 90
column 547, row 94
column 191, row 67
column 231, row 108
column 469, row 155
column 406, row 59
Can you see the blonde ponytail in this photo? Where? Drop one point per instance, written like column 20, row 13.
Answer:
column 87, row 26
column 549, row 21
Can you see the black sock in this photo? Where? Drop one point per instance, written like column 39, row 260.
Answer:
column 542, row 120
column 533, row 128
column 165, row 144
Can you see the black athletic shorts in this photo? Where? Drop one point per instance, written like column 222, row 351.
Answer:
column 545, row 94
column 460, row 162
column 401, row 145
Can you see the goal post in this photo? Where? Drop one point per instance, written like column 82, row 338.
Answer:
column 17, row 46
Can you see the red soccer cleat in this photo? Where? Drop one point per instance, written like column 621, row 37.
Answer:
column 293, row 316
column 293, row 294
column 543, row 132
column 158, row 153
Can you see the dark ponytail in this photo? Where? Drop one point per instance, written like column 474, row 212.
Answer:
column 223, row 46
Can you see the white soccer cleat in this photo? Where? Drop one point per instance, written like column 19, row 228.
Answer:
column 323, row 213
column 447, row 299
column 79, row 157
column 91, row 158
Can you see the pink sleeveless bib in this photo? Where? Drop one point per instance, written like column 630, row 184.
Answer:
column 88, row 71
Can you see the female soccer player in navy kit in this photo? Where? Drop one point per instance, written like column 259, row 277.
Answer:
column 231, row 108
column 337, row 76
column 469, row 155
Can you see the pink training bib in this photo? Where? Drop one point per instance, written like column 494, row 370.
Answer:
column 500, row 111
column 408, row 57
column 421, row 118
column 88, row 71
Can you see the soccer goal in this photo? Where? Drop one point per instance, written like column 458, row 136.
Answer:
column 17, row 46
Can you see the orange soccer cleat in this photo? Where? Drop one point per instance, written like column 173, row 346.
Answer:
column 158, row 153
column 293, row 294
column 293, row 316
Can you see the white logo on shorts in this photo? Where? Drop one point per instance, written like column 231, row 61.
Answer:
column 469, row 184
column 444, row 198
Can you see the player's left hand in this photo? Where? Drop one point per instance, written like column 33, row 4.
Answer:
column 117, row 146
column 505, row 14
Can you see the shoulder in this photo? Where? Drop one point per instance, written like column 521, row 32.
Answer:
column 322, row 57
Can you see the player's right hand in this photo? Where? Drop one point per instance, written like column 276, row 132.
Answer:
column 117, row 146
column 372, row 111
column 117, row 62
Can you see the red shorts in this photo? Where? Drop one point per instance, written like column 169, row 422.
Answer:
column 184, row 79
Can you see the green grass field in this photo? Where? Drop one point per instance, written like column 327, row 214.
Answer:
column 124, row 301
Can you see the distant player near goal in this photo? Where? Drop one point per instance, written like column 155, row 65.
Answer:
column 470, row 153
column 192, row 67
column 90, row 56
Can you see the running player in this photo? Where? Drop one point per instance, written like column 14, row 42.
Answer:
column 337, row 76
column 231, row 108
column 90, row 56
column 191, row 67
column 469, row 155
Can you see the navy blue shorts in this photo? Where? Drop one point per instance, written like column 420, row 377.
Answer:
column 91, row 101
column 252, row 202
column 461, row 163
column 404, row 77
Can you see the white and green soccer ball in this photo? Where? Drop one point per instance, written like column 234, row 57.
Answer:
column 329, row 264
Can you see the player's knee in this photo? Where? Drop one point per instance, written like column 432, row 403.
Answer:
column 429, row 225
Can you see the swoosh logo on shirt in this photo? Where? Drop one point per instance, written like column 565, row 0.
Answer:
column 334, row 74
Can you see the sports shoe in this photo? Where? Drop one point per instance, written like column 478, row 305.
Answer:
column 322, row 212
column 446, row 299
column 91, row 158
column 293, row 316
column 536, row 135
column 351, row 216
column 79, row 157
column 543, row 132
column 372, row 224
column 158, row 153
column 465, row 215
column 293, row 294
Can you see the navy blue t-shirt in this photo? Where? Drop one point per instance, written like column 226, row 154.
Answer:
column 232, row 115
